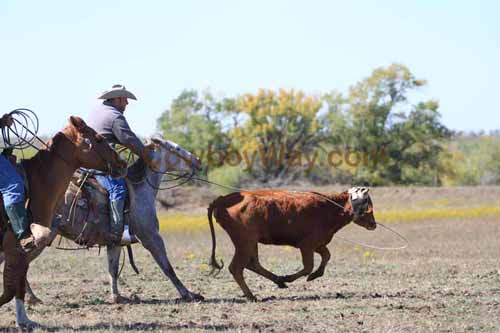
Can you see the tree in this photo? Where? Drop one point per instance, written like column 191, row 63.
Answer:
column 279, row 129
column 374, row 120
column 194, row 121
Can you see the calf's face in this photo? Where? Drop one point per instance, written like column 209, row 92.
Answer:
column 366, row 218
column 362, row 208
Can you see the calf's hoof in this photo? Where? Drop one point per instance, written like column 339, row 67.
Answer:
column 314, row 276
column 286, row 278
column 281, row 283
column 251, row 298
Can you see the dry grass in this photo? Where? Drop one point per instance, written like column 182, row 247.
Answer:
column 448, row 280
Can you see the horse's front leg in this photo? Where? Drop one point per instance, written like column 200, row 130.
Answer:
column 153, row 242
column 14, row 280
column 32, row 299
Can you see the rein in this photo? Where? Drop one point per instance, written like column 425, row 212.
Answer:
column 188, row 176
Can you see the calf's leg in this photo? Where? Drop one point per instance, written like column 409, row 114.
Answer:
column 255, row 266
column 241, row 260
column 325, row 257
column 307, row 260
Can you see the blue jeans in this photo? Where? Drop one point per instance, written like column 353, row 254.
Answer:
column 11, row 183
column 117, row 189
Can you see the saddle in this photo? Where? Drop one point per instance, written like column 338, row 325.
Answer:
column 83, row 213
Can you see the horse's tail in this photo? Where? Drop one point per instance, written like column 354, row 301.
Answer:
column 131, row 259
column 213, row 262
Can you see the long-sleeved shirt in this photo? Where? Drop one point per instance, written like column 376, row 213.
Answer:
column 112, row 125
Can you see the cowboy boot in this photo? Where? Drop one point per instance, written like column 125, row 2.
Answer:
column 116, row 221
column 20, row 226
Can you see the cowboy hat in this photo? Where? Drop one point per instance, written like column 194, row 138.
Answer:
column 117, row 91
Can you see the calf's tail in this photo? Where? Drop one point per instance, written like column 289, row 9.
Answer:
column 213, row 262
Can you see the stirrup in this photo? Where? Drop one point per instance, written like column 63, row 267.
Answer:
column 26, row 245
column 127, row 237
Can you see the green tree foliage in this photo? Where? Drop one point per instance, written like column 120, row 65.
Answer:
column 373, row 119
column 194, row 121
column 475, row 160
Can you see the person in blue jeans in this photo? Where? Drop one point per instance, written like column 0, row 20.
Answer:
column 12, row 189
column 108, row 120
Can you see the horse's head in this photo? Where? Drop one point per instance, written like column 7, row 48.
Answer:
column 169, row 156
column 92, row 151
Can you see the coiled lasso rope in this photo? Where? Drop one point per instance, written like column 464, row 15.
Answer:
column 23, row 132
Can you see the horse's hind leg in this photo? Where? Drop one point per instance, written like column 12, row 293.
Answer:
column 113, row 253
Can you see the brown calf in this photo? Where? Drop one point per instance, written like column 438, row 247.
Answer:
column 305, row 220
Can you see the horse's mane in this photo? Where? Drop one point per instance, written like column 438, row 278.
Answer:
column 137, row 170
column 41, row 157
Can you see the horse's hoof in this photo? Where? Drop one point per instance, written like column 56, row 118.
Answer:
column 27, row 326
column 193, row 297
column 119, row 299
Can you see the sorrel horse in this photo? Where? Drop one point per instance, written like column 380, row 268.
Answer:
column 83, row 225
column 49, row 173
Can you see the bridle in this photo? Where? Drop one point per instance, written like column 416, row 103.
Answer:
column 187, row 176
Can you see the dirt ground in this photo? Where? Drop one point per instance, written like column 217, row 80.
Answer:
column 447, row 280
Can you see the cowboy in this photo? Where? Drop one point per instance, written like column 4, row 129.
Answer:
column 12, row 189
column 108, row 120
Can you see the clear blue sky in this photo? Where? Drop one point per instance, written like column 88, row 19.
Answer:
column 56, row 56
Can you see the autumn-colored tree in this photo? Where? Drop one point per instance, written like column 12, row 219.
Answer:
column 278, row 128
